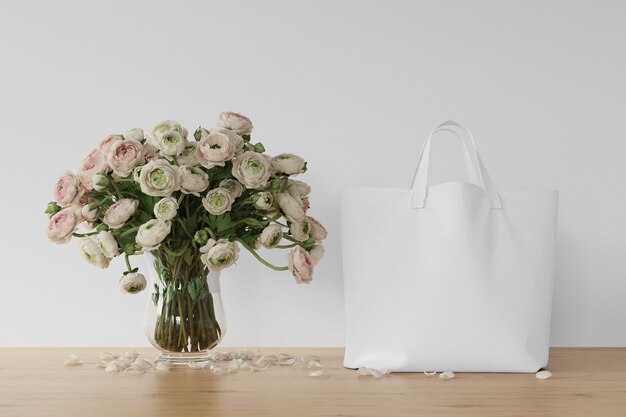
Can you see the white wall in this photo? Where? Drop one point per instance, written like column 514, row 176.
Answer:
column 353, row 86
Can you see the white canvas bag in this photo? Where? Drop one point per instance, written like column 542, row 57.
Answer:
column 454, row 276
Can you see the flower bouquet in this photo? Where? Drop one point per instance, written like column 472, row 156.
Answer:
column 189, row 205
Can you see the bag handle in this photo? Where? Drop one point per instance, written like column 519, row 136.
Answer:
column 420, row 180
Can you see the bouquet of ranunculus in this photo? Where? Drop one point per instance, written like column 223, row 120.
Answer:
column 190, row 203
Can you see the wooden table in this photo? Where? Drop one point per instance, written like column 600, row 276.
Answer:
column 34, row 382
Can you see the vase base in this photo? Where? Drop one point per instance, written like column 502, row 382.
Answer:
column 184, row 358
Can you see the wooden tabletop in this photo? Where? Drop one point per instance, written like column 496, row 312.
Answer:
column 34, row 382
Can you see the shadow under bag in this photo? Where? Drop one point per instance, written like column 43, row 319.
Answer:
column 455, row 276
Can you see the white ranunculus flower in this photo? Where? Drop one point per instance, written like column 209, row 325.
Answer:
column 271, row 236
column 124, row 156
column 252, row 169
column 317, row 253
column 316, row 229
column 303, row 188
column 235, row 139
column 234, row 187
column 107, row 244
column 299, row 230
column 120, row 212
column 171, row 144
column 169, row 137
column 217, row 255
column 193, row 180
column 152, row 233
column 264, row 200
column 288, row 163
column 92, row 253
column 159, row 178
column 133, row 282
column 236, row 122
column 188, row 157
column 291, row 207
column 136, row 173
column 218, row 201
column 134, row 134
column 214, row 149
column 166, row 208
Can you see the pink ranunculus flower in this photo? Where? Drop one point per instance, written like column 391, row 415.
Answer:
column 306, row 204
column 120, row 212
column 62, row 225
column 107, row 143
column 301, row 265
column 316, row 230
column 89, row 212
column 93, row 164
column 236, row 122
column 150, row 152
column 67, row 189
column 214, row 149
column 124, row 156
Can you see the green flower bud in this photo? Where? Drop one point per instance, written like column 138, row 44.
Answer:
column 52, row 208
column 259, row 148
column 100, row 182
column 201, row 237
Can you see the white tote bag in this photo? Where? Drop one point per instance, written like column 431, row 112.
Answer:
column 454, row 276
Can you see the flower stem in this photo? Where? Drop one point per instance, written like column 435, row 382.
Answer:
column 263, row 261
column 84, row 234
column 286, row 246
column 130, row 268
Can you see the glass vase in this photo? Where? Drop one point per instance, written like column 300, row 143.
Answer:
column 184, row 317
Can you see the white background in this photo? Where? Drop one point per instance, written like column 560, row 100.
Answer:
column 354, row 87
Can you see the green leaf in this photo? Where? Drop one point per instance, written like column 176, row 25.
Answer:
column 155, row 296
column 188, row 258
column 170, row 294
column 223, row 222
column 246, row 138
column 191, row 289
column 278, row 185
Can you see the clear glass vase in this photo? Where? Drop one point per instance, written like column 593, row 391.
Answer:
column 184, row 316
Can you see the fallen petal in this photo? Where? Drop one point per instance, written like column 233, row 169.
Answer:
column 379, row 373
column 131, row 354
column 257, row 368
column 364, row 372
column 134, row 370
column 310, row 358
column 220, row 369
column 222, row 356
column 108, row 356
column 430, row 373
column 287, row 362
column 112, row 367
column 319, row 374
column 143, row 363
column 447, row 375
column 162, row 366
column 72, row 360
column 313, row 364
column 543, row 374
